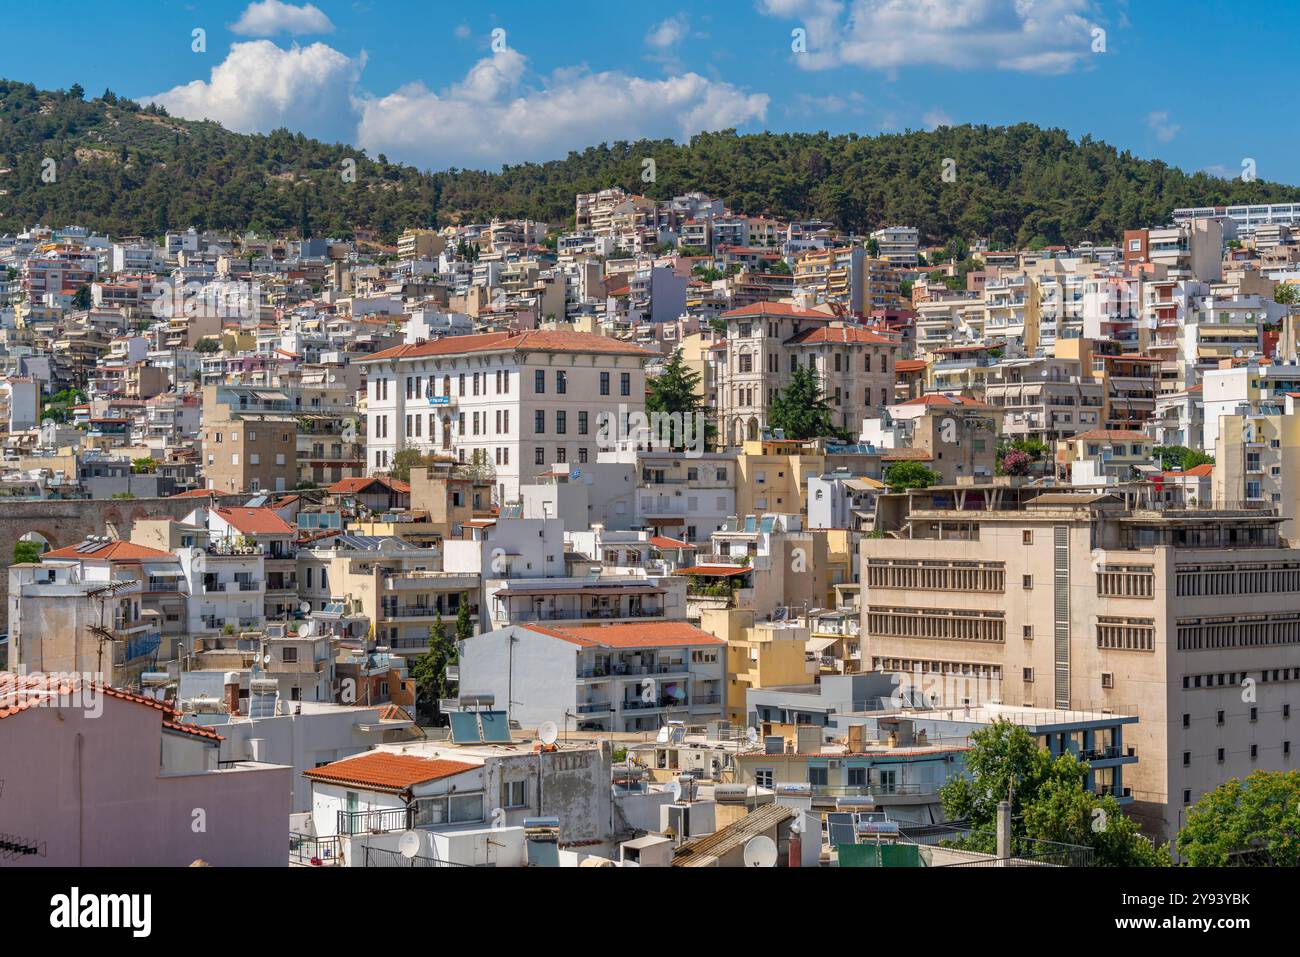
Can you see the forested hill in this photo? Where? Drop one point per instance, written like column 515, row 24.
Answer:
column 125, row 169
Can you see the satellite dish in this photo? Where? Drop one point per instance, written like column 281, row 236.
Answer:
column 266, row 659
column 305, row 607
column 752, row 735
column 548, row 732
column 304, row 630
column 675, row 789
column 760, row 851
column 662, row 736
column 408, row 845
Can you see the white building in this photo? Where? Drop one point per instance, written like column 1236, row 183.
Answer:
column 520, row 401
column 626, row 677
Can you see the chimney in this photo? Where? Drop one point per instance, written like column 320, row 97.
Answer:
column 232, row 693
column 1004, row 830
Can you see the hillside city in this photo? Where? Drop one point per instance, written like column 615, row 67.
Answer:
column 668, row 536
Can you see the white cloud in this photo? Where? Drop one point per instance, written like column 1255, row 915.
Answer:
column 462, row 31
column 260, row 87
column 1031, row 36
column 669, row 33
column 936, row 118
column 268, row 18
column 1158, row 123
column 491, row 116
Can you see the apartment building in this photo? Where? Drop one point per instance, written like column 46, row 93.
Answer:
column 516, row 402
column 685, row 497
column 1045, row 397
column 898, row 245
column 1257, row 460
column 249, row 439
column 1102, row 603
column 625, row 677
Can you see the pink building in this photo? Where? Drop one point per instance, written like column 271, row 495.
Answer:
column 98, row 777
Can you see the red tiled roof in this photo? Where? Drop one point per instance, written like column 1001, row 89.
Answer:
column 1102, row 435
column 1196, row 471
column 940, row 398
column 532, row 341
column 662, row 541
column 774, row 309
column 254, row 521
column 838, row 334
column 19, row 693
column 909, row 365
column 354, row 486
column 906, row 455
column 383, row 771
column 650, row 634
column 118, row 551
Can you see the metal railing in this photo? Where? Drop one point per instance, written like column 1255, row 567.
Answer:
column 383, row 821
column 379, row 857
column 305, row 849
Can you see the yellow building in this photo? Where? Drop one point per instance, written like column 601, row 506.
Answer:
column 772, row 475
column 765, row 654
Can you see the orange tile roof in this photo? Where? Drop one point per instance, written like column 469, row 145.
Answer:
column 1196, row 471
column 650, row 634
column 839, row 334
column 774, row 309
column 1102, row 435
column 118, row 551
column 662, row 541
column 715, row 571
column 940, row 398
column 384, row 771
column 20, row 693
column 254, row 521
column 532, row 341
column 352, row 486
column 909, row 365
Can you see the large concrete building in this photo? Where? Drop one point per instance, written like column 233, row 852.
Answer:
column 1186, row 618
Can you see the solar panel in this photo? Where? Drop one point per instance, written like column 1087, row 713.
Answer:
column 843, row 834
column 496, row 727
column 261, row 705
column 464, row 727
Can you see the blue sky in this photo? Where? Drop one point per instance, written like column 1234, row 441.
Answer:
column 1201, row 86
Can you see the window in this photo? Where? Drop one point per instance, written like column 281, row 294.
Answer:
column 582, row 454
column 1027, row 536
column 1029, row 631
column 1254, row 751
column 539, row 381
column 1219, row 719
column 582, row 423
column 817, row 776
column 539, row 456
column 289, row 656
column 561, row 382
column 514, row 794
column 1219, row 755
column 763, row 777
column 1107, row 679
column 1187, row 796
column 625, row 383
column 1187, row 721
column 539, row 422
column 1027, row 581
column 1254, row 715
column 561, row 422
column 1029, row 675
column 1187, row 759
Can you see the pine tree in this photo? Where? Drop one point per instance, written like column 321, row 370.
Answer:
column 801, row 411
column 673, row 392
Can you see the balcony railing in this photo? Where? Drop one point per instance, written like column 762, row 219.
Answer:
column 382, row 821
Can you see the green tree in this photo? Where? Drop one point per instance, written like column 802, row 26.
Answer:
column 1180, row 457
column 430, row 669
column 1048, row 798
column 801, row 411
column 1286, row 294
column 207, row 346
column 145, row 466
column 909, row 474
column 26, row 552
column 407, row 459
column 1251, row 823
column 82, row 299
column 673, row 393
column 464, row 623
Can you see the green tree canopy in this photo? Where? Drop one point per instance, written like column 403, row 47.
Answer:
column 909, row 474
column 673, row 393
column 1251, row 823
column 801, row 411
column 1180, row 457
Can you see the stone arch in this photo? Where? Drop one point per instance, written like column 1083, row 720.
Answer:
column 751, row 431
column 45, row 539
